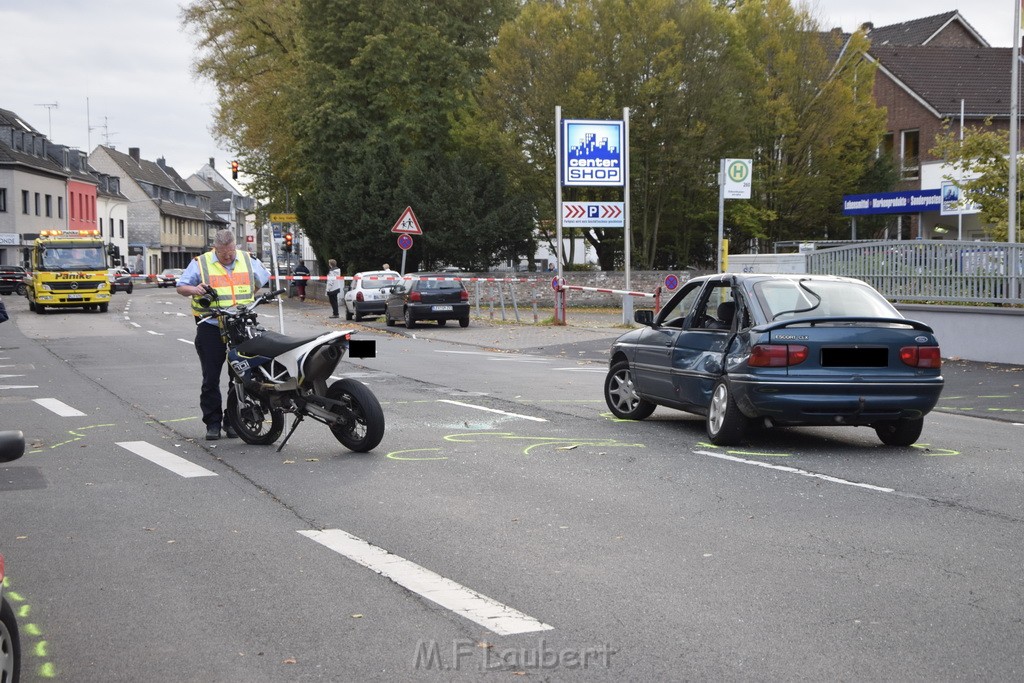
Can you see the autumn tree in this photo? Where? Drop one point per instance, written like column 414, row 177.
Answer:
column 250, row 50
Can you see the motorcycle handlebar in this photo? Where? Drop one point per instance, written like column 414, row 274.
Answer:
column 205, row 300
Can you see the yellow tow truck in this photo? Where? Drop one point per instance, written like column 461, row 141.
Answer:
column 68, row 268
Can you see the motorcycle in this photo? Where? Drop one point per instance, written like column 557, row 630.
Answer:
column 271, row 375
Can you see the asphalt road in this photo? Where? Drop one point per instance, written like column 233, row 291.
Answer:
column 507, row 525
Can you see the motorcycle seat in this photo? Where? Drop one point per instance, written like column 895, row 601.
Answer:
column 271, row 344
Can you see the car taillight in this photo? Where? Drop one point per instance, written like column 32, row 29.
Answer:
column 463, row 295
column 415, row 296
column 777, row 355
column 359, row 296
column 921, row 356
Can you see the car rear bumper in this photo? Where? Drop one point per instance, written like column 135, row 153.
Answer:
column 836, row 403
column 431, row 312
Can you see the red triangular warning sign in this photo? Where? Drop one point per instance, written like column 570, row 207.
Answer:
column 407, row 223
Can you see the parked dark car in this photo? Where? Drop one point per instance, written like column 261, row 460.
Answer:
column 121, row 280
column 11, row 280
column 169, row 277
column 428, row 296
column 778, row 350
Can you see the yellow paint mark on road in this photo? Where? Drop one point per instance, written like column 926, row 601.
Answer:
column 934, row 451
column 396, row 455
column 561, row 442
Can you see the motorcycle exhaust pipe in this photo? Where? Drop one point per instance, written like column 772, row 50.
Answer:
column 321, row 363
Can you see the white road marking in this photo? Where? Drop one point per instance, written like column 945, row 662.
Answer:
column 10, row 376
column 492, row 410
column 19, row 386
column 135, row 325
column 59, row 407
column 158, row 334
column 794, row 470
column 480, row 609
column 169, row 461
column 186, row 341
column 600, row 370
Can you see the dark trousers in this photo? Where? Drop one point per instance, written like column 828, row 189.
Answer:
column 333, row 296
column 211, row 352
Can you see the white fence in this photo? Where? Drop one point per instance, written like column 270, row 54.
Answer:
column 933, row 271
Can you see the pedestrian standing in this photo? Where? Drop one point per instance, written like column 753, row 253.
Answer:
column 334, row 281
column 301, row 273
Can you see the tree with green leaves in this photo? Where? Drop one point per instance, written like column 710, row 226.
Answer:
column 983, row 159
column 385, row 80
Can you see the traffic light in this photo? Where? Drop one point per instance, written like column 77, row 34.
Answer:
column 234, row 170
column 288, row 243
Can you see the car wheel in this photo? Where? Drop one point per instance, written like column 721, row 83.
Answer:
column 620, row 394
column 440, row 323
column 19, row 289
column 388, row 320
column 464, row 322
column 10, row 644
column 726, row 425
column 130, row 288
column 899, row 432
column 410, row 322
column 359, row 316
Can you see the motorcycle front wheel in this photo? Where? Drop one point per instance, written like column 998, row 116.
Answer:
column 362, row 425
column 253, row 419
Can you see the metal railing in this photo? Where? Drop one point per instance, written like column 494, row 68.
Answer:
column 936, row 271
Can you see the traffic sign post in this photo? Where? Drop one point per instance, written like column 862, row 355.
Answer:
column 405, row 244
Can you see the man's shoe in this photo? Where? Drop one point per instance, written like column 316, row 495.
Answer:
column 212, row 432
column 230, row 432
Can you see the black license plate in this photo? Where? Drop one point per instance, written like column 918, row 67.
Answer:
column 851, row 357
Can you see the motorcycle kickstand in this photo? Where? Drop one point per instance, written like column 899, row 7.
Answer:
column 298, row 419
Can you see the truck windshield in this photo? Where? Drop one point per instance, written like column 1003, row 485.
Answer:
column 73, row 258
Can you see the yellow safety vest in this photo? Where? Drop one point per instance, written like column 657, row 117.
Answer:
column 236, row 288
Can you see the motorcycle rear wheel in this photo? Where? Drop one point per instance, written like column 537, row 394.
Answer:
column 254, row 421
column 363, row 426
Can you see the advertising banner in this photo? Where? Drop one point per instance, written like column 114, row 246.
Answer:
column 592, row 153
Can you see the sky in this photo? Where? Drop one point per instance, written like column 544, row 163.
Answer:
column 120, row 71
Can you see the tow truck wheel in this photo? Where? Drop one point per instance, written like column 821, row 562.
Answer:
column 40, row 309
column 104, row 307
column 31, row 305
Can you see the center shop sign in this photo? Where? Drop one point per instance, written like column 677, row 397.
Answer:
column 592, row 153
column 914, row 201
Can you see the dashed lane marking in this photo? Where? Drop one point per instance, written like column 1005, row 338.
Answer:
column 479, row 609
column 59, row 407
column 492, row 410
column 169, row 461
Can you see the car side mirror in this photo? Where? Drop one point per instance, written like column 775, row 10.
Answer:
column 12, row 445
column 644, row 316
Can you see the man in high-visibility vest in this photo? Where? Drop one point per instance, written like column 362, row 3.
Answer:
column 235, row 277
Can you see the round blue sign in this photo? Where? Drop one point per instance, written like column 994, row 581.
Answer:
column 671, row 282
column 405, row 242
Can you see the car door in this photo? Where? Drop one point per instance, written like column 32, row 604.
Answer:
column 699, row 348
column 652, row 362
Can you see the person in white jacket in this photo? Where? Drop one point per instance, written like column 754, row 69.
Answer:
column 334, row 283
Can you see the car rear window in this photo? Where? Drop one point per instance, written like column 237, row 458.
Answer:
column 808, row 298
column 439, row 285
